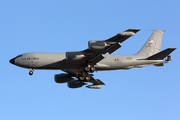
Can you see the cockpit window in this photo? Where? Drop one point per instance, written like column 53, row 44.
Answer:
column 18, row 56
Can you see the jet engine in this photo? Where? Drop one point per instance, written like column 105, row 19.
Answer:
column 74, row 55
column 75, row 84
column 97, row 45
column 62, row 78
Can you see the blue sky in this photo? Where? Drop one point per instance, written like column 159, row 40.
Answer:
column 149, row 93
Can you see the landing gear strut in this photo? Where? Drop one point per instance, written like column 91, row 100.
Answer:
column 31, row 72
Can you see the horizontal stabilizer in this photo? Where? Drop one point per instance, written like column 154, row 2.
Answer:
column 161, row 55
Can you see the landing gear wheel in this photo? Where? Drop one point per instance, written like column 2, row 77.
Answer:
column 92, row 69
column 86, row 69
column 30, row 72
column 87, row 78
column 81, row 78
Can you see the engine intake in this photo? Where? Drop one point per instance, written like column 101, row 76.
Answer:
column 75, row 84
column 62, row 78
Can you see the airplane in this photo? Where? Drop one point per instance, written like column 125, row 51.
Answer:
column 79, row 65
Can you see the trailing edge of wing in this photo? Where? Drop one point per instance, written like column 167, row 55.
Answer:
column 96, row 59
column 161, row 55
column 113, row 48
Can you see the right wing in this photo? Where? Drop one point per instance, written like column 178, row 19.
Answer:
column 80, row 59
column 93, row 56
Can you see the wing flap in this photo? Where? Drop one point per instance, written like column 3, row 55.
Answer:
column 113, row 48
column 96, row 59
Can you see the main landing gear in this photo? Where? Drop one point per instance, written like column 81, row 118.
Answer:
column 31, row 71
column 84, row 75
column 90, row 69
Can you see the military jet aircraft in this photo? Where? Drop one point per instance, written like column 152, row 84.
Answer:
column 79, row 65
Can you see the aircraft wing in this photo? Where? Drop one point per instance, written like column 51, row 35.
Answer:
column 96, row 50
column 93, row 56
column 76, row 62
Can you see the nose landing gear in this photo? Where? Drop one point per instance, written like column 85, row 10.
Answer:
column 31, row 72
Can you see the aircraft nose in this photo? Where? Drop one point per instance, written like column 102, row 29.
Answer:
column 12, row 61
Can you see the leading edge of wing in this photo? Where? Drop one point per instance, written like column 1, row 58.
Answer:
column 121, row 37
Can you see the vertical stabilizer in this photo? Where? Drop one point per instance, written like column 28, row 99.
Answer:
column 153, row 44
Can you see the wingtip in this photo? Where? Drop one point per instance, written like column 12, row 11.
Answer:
column 133, row 30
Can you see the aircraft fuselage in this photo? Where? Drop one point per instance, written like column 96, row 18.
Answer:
column 54, row 61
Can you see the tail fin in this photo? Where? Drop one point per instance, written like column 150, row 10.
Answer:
column 153, row 44
column 161, row 55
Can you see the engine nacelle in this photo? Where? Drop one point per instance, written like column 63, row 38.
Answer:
column 62, row 78
column 75, row 84
column 74, row 55
column 97, row 45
